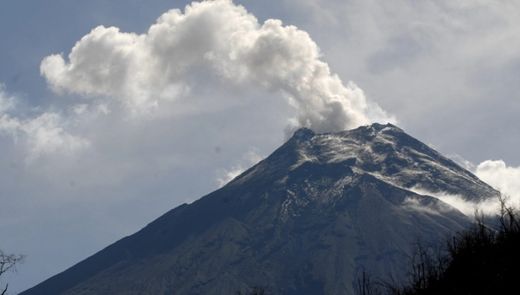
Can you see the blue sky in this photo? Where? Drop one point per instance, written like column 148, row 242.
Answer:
column 79, row 170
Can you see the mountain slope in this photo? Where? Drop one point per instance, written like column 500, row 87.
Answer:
column 306, row 220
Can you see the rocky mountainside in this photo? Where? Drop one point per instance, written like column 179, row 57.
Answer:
column 309, row 219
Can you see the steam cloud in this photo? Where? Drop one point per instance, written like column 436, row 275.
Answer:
column 222, row 39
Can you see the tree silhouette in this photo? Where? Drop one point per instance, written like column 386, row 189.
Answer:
column 7, row 263
column 482, row 260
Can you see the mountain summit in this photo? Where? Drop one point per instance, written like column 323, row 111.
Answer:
column 309, row 219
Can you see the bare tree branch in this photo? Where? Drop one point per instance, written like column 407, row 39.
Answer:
column 7, row 263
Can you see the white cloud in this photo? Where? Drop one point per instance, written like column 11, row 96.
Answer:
column 217, row 39
column 504, row 178
column 248, row 160
column 230, row 174
column 40, row 134
column 415, row 204
column 7, row 102
column 467, row 207
column 496, row 173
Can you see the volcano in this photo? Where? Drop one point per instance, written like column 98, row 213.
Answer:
column 309, row 219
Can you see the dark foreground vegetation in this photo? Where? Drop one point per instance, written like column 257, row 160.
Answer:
column 482, row 260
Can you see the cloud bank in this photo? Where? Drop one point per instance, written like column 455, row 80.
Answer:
column 216, row 39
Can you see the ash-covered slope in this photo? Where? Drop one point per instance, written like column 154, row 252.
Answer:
column 306, row 220
column 388, row 153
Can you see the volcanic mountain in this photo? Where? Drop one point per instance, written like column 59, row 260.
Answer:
column 308, row 219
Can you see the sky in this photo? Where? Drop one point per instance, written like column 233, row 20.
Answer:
column 113, row 112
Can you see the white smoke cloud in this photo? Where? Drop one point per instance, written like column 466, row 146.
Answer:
column 40, row 134
column 219, row 39
column 504, row 178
